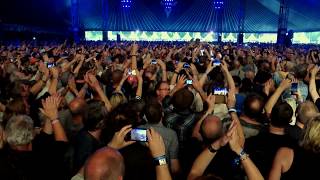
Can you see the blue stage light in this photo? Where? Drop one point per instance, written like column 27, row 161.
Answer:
column 126, row 3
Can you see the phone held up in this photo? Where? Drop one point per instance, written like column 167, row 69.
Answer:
column 137, row 134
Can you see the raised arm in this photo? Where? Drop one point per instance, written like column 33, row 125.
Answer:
column 228, row 76
column 236, row 144
column 140, row 83
column 312, row 84
column 50, row 110
column 164, row 70
column 203, row 160
column 92, row 81
column 285, row 84
column 134, row 56
column 158, row 152
column 54, row 81
column 36, row 88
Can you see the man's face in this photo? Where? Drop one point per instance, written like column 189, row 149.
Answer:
column 24, row 90
column 163, row 90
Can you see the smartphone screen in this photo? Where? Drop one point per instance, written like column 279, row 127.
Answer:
column 50, row 65
column 138, row 134
column 220, row 91
column 216, row 62
column 186, row 65
column 189, row 82
column 294, row 88
column 153, row 61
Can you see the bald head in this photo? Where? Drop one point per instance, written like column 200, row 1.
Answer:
column 77, row 105
column 211, row 129
column 104, row 164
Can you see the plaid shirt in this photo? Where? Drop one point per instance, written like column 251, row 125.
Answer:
column 182, row 123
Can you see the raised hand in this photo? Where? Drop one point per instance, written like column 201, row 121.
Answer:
column 315, row 71
column 50, row 107
column 211, row 99
column 181, row 81
column 155, row 143
column 223, row 140
column 91, row 80
column 118, row 140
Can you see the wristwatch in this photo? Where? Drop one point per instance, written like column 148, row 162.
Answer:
column 159, row 161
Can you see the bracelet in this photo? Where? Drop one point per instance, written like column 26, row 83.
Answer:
column 244, row 157
column 211, row 149
column 232, row 110
column 54, row 121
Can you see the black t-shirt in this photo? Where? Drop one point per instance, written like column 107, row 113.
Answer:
column 294, row 132
column 84, row 145
column 263, row 147
column 45, row 161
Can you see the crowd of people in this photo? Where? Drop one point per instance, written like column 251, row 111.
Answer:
column 191, row 110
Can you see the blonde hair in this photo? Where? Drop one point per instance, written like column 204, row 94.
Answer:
column 116, row 99
column 311, row 135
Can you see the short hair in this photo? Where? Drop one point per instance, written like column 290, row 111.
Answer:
column 159, row 84
column 98, row 113
column 311, row 135
column 182, row 99
column 301, row 71
column 19, row 130
column 281, row 115
column 305, row 111
column 117, row 98
column 153, row 113
column 106, row 163
column 248, row 110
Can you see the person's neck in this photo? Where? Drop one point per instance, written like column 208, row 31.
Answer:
column 77, row 120
column 300, row 125
column 95, row 134
column 249, row 120
column 276, row 130
column 24, row 148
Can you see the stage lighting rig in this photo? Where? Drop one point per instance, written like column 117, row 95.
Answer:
column 218, row 4
column 168, row 6
column 126, row 3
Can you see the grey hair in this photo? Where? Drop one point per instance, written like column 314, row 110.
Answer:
column 19, row 130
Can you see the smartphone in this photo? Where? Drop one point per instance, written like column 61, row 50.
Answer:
column 189, row 82
column 50, row 65
column 153, row 61
column 216, row 62
column 186, row 65
column 294, row 88
column 132, row 72
column 201, row 52
column 137, row 134
column 220, row 91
